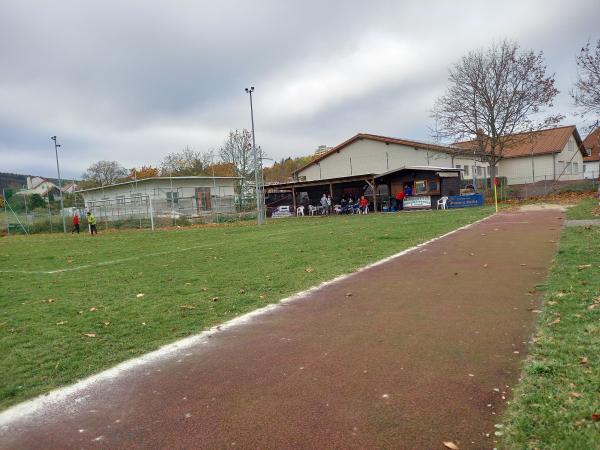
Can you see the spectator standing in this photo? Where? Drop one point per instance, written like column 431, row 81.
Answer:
column 75, row 223
column 92, row 222
column 328, row 204
column 400, row 200
column 363, row 203
column 324, row 205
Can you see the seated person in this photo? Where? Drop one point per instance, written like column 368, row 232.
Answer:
column 408, row 191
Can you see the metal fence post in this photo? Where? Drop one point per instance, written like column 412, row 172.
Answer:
column 151, row 214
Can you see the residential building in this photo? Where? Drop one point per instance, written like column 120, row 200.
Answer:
column 552, row 154
column 591, row 161
column 40, row 186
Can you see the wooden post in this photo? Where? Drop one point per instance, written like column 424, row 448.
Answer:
column 294, row 199
column 374, row 196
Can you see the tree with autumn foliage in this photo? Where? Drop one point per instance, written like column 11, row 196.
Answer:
column 282, row 170
column 494, row 94
column 143, row 172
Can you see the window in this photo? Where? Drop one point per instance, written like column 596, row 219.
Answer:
column 466, row 170
column 433, row 187
column 568, row 169
column 421, row 187
column 561, row 167
column 575, row 167
column 172, row 196
column 588, row 151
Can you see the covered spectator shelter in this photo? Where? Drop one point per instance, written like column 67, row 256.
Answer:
column 428, row 183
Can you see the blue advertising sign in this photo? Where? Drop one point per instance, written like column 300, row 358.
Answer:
column 465, row 201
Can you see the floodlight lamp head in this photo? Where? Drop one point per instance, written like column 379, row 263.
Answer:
column 53, row 138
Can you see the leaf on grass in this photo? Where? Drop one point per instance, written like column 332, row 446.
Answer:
column 309, row 270
column 93, row 309
column 242, row 291
column 262, row 296
column 575, row 394
column 106, row 323
column 554, row 322
column 596, row 417
column 50, row 300
column 92, row 335
column 215, row 299
column 583, row 360
column 451, row 445
column 140, row 295
column 187, row 306
column 551, row 302
column 62, row 322
column 584, row 266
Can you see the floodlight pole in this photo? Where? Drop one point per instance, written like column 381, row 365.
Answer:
column 259, row 212
column 62, row 206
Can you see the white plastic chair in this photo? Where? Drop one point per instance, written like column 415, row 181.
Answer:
column 300, row 211
column 312, row 210
column 443, row 202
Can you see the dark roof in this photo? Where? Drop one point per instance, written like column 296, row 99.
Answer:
column 548, row 141
column 420, row 168
column 385, row 139
column 592, row 141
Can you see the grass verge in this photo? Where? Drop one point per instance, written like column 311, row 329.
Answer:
column 557, row 403
column 124, row 294
column 583, row 210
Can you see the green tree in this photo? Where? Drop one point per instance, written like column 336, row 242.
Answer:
column 36, row 201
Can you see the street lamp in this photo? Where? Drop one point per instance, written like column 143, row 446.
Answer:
column 62, row 205
column 259, row 209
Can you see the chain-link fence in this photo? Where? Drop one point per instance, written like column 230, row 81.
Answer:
column 138, row 211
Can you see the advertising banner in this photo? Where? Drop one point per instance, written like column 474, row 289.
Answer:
column 417, row 202
column 465, row 201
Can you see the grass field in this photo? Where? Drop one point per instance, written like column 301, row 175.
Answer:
column 583, row 210
column 557, row 405
column 118, row 295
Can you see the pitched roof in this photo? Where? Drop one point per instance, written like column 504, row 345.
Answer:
column 385, row 139
column 548, row 141
column 592, row 141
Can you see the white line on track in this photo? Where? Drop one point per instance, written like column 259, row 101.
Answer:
column 74, row 395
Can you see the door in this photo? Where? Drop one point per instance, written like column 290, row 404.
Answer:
column 203, row 199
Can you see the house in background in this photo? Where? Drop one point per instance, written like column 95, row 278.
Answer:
column 40, row 186
column 365, row 154
column 70, row 188
column 544, row 155
column 591, row 162
column 190, row 196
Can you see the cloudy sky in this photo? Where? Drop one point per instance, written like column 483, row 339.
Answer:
column 134, row 80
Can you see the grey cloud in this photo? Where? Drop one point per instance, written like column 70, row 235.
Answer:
column 134, row 80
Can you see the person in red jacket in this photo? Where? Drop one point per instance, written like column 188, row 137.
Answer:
column 400, row 200
column 75, row 223
column 363, row 203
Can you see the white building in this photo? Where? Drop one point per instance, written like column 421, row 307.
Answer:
column 591, row 162
column 190, row 196
column 368, row 154
column 553, row 154
column 38, row 185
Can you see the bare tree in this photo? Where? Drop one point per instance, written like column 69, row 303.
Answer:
column 104, row 173
column 492, row 95
column 185, row 163
column 586, row 92
column 237, row 151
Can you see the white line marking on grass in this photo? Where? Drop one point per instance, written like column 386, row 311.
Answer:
column 130, row 258
column 74, row 395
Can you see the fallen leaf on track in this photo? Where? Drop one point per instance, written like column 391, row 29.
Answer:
column 451, row 445
column 485, row 266
column 348, row 294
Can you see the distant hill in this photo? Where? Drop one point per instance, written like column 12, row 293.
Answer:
column 17, row 181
